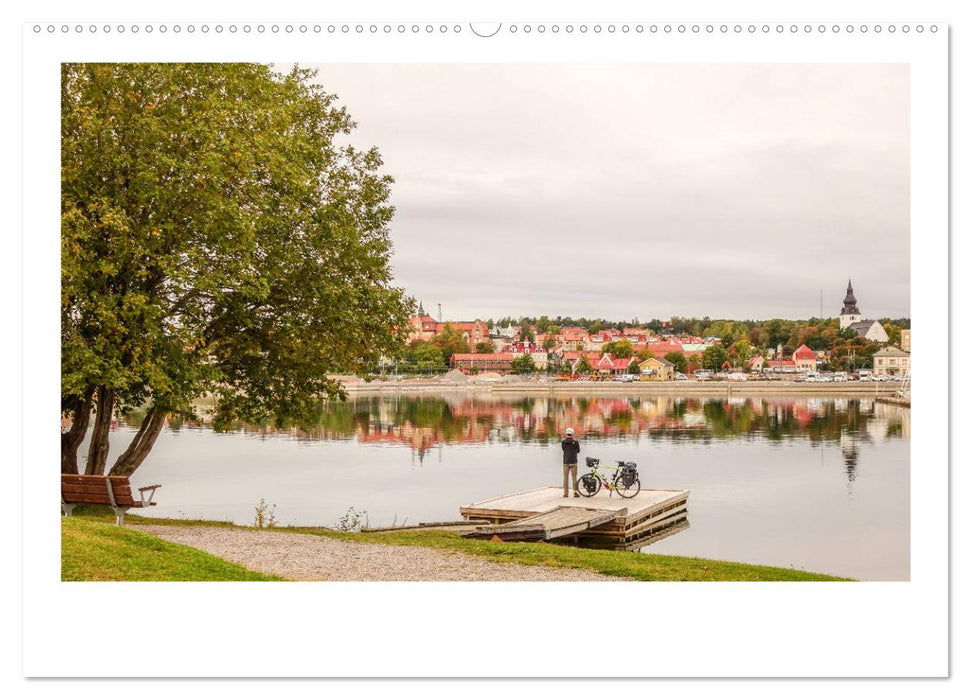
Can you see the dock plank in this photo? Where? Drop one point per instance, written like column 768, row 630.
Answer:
column 544, row 514
column 558, row 522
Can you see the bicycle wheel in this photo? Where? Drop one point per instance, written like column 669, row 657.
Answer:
column 589, row 484
column 628, row 488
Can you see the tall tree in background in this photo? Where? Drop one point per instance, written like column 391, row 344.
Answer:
column 215, row 237
column 526, row 334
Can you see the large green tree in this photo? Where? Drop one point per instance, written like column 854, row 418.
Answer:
column 217, row 235
column 679, row 361
column 714, row 357
column 428, row 358
column 524, row 364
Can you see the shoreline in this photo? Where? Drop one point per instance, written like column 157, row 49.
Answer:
column 883, row 390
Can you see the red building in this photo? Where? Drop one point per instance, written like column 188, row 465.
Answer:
column 483, row 362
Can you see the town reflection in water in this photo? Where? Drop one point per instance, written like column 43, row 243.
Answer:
column 426, row 422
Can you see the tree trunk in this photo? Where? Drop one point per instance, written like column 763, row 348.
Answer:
column 98, row 452
column 72, row 439
column 142, row 443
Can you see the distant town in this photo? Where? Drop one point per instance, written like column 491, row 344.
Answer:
column 845, row 347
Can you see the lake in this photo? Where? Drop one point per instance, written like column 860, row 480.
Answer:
column 821, row 484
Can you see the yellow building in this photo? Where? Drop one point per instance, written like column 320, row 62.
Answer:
column 891, row 360
column 656, row 369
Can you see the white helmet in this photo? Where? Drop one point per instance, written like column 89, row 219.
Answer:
column 569, row 431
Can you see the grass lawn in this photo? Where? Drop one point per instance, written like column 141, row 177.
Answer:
column 149, row 558
column 633, row 565
column 94, row 550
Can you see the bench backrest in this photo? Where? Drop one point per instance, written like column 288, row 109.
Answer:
column 80, row 488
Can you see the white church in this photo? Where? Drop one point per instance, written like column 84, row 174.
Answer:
column 850, row 318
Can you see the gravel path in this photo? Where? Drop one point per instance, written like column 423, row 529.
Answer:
column 314, row 558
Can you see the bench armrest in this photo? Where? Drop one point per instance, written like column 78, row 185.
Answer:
column 147, row 500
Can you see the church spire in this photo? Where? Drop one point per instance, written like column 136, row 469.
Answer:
column 849, row 302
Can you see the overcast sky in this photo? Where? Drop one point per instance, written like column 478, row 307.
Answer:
column 651, row 190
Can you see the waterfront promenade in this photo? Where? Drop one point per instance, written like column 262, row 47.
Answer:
column 610, row 388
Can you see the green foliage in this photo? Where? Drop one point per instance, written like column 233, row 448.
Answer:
column 645, row 354
column 855, row 353
column 893, row 333
column 778, row 331
column 620, row 348
column 583, row 366
column 714, row 357
column 743, row 350
column 216, row 236
column 728, row 331
column 450, row 341
column 543, row 324
column 679, row 361
column 526, row 333
column 425, row 356
column 485, row 347
column 524, row 364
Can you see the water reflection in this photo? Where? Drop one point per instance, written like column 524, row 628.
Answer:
column 425, row 422
column 822, row 484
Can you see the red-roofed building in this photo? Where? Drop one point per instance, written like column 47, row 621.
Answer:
column 573, row 338
column 483, row 362
column 602, row 364
column 661, row 349
column 613, row 365
column 424, row 327
column 787, row 366
column 805, row 358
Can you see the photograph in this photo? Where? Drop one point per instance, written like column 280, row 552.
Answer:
column 487, row 321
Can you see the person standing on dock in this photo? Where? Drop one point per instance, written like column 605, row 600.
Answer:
column 571, row 448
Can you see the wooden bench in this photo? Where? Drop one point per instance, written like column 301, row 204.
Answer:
column 114, row 491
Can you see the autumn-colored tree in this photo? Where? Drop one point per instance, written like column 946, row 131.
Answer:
column 450, row 341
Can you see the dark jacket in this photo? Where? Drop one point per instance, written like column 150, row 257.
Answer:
column 571, row 448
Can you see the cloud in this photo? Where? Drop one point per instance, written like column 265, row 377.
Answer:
column 728, row 190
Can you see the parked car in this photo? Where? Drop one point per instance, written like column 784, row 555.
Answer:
column 678, row 376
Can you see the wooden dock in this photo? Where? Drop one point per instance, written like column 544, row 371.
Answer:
column 602, row 521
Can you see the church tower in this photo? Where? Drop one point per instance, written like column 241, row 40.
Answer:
column 849, row 313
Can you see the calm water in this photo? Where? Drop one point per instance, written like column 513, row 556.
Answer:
column 816, row 484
